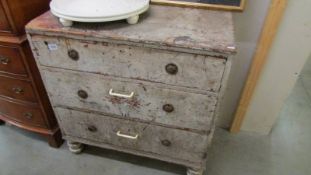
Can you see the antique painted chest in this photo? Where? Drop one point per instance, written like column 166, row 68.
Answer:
column 151, row 89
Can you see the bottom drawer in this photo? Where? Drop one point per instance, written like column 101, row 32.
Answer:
column 172, row 143
column 25, row 114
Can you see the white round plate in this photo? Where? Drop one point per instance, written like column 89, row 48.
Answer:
column 98, row 10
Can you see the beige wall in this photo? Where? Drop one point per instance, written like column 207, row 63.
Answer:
column 248, row 26
column 290, row 50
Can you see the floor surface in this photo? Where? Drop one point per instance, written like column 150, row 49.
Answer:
column 285, row 152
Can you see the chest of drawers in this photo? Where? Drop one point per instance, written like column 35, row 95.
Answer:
column 151, row 89
column 23, row 99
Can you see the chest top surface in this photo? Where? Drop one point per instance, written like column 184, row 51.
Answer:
column 161, row 26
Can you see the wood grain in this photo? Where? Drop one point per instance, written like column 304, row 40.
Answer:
column 273, row 19
column 17, row 89
column 15, row 14
column 15, row 64
column 27, row 114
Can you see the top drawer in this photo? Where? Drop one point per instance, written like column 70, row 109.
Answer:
column 172, row 68
column 11, row 61
column 4, row 23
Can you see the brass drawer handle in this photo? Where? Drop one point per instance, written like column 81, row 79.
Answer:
column 17, row 90
column 127, row 136
column 171, row 69
column 73, row 54
column 111, row 93
column 28, row 115
column 168, row 108
column 4, row 60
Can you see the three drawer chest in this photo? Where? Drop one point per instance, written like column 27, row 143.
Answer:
column 151, row 89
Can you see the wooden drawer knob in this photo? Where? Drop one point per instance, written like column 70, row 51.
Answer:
column 73, row 54
column 28, row 115
column 171, row 69
column 4, row 60
column 82, row 94
column 166, row 143
column 92, row 128
column 17, row 90
column 168, row 108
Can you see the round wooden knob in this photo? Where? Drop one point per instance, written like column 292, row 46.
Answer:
column 73, row 54
column 92, row 128
column 28, row 115
column 166, row 143
column 171, row 69
column 82, row 94
column 168, row 108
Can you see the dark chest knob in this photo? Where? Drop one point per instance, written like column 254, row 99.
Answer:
column 28, row 115
column 92, row 128
column 168, row 108
column 166, row 143
column 82, row 94
column 4, row 60
column 171, row 69
column 73, row 54
column 17, row 90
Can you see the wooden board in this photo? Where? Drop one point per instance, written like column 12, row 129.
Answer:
column 269, row 31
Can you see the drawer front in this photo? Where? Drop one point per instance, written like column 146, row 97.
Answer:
column 28, row 115
column 172, row 68
column 11, row 61
column 17, row 89
column 149, row 103
column 168, row 142
column 4, row 23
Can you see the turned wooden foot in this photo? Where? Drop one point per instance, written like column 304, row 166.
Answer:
column 55, row 140
column 65, row 22
column 133, row 19
column 75, row 147
column 191, row 171
column 2, row 122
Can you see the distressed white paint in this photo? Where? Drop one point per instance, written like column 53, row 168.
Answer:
column 184, row 145
column 194, row 71
column 192, row 111
column 198, row 41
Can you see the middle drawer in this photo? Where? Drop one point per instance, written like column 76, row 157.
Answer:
column 129, row 99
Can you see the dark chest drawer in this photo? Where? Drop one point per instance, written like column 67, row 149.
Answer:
column 11, row 61
column 29, row 115
column 17, row 89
